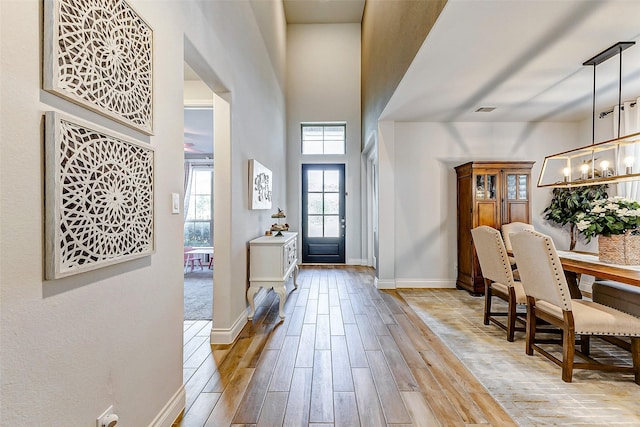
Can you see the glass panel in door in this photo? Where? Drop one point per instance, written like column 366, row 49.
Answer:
column 323, row 213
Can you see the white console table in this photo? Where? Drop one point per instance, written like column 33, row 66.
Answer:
column 272, row 260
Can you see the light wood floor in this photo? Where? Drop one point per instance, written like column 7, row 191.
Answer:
column 345, row 355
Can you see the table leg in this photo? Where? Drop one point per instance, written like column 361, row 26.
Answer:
column 573, row 281
column 251, row 293
column 295, row 276
column 282, row 294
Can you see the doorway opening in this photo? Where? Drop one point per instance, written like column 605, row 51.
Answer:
column 198, row 197
column 323, row 213
column 370, row 204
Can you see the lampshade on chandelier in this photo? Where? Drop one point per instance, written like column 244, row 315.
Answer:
column 603, row 163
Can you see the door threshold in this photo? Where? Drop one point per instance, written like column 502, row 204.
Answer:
column 326, row 265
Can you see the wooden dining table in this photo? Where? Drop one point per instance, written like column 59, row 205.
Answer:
column 576, row 263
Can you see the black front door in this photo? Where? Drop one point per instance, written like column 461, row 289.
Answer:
column 323, row 220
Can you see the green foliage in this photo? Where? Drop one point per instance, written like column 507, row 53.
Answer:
column 610, row 216
column 568, row 203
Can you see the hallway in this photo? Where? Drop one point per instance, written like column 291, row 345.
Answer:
column 345, row 355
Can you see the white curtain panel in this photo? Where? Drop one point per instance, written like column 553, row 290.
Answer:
column 188, row 178
column 629, row 123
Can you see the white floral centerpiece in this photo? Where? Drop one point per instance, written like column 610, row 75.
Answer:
column 616, row 222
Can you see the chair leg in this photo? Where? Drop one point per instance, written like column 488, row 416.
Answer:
column 531, row 326
column 487, row 300
column 511, row 315
column 635, row 356
column 568, row 351
column 584, row 344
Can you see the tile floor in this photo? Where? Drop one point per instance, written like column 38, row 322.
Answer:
column 528, row 387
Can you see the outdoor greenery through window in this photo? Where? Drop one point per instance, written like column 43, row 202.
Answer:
column 323, row 138
column 198, row 225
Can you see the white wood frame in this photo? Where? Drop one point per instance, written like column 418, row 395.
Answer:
column 132, row 68
column 79, row 183
column 260, row 193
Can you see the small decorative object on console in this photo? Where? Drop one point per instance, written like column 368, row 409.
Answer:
column 278, row 226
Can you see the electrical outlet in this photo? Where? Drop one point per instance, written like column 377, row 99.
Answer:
column 107, row 419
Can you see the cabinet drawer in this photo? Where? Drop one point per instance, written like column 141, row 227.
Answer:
column 289, row 255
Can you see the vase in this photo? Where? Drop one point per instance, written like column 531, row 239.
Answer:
column 619, row 249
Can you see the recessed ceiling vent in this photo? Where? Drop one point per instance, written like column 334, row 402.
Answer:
column 485, row 109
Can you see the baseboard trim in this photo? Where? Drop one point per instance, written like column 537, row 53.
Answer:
column 172, row 410
column 426, row 283
column 384, row 284
column 228, row 336
column 356, row 261
column 312, row 265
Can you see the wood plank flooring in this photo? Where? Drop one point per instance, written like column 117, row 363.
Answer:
column 345, row 355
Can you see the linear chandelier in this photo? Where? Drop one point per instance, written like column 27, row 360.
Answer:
column 607, row 162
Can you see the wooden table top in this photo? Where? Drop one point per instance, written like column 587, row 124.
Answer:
column 588, row 263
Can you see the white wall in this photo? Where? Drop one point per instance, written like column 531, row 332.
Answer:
column 323, row 85
column 423, row 201
column 197, row 93
column 70, row 348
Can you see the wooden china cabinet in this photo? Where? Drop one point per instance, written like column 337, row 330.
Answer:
column 489, row 193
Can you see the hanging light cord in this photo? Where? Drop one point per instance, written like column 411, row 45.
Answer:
column 593, row 109
column 620, row 92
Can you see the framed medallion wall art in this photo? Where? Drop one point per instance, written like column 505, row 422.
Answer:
column 98, row 197
column 260, row 185
column 99, row 54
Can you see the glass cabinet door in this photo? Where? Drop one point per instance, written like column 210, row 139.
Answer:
column 486, row 187
column 517, row 186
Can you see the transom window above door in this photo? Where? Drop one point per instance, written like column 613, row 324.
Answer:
column 323, row 138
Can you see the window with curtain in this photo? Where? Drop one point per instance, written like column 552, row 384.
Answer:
column 323, row 138
column 629, row 119
column 198, row 224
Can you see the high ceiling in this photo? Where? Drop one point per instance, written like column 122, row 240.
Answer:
column 198, row 119
column 323, row 11
column 522, row 57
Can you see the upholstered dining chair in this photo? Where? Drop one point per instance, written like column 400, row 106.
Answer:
column 549, row 299
column 498, row 280
column 510, row 228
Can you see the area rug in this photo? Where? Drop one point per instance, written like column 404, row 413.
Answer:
column 198, row 294
column 530, row 388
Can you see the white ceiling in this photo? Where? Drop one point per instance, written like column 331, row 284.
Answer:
column 323, row 11
column 198, row 131
column 523, row 57
column 198, row 120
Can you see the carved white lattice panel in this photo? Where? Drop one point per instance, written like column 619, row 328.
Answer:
column 99, row 197
column 99, row 54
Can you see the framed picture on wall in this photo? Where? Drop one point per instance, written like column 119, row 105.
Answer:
column 99, row 54
column 98, row 199
column 260, row 186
